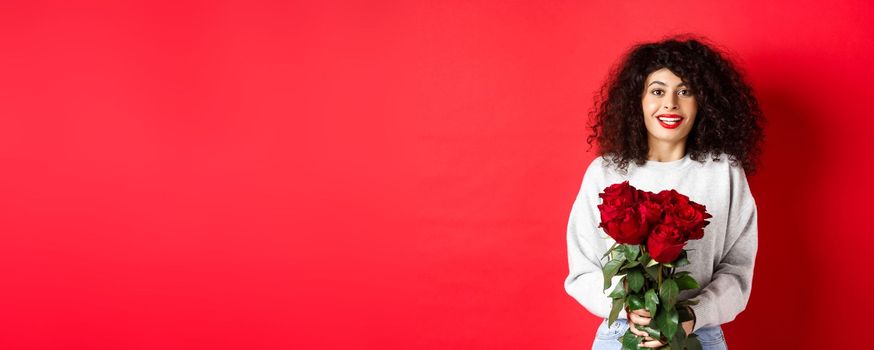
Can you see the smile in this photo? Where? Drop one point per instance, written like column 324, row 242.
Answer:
column 670, row 121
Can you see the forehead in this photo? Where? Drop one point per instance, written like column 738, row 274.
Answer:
column 664, row 75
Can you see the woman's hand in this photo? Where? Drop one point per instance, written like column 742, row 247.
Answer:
column 643, row 318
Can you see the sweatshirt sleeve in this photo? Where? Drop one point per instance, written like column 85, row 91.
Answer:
column 729, row 289
column 586, row 243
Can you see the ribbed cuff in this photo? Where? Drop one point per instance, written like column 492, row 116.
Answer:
column 694, row 318
column 698, row 310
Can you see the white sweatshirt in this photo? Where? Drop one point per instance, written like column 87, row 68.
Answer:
column 722, row 262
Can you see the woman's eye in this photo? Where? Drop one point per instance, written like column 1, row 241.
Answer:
column 656, row 92
column 686, row 92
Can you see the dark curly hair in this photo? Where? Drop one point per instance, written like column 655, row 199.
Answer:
column 728, row 120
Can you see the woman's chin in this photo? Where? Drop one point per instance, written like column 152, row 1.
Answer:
column 670, row 138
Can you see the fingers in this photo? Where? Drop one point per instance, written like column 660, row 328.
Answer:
column 641, row 317
column 642, row 312
column 652, row 344
column 637, row 318
column 637, row 331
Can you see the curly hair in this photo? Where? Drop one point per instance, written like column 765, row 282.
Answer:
column 729, row 120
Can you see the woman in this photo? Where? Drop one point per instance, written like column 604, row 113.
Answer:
column 674, row 114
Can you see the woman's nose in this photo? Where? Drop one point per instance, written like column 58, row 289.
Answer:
column 670, row 104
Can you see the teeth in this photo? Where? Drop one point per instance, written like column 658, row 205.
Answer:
column 669, row 121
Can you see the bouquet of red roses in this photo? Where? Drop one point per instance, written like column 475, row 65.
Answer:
column 650, row 230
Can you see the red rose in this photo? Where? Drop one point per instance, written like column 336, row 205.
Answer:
column 665, row 243
column 673, row 198
column 616, row 198
column 627, row 228
column 620, row 215
column 650, row 207
column 697, row 230
column 688, row 216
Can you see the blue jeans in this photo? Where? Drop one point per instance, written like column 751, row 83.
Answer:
column 607, row 338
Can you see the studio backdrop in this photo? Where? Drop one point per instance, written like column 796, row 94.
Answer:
column 388, row 174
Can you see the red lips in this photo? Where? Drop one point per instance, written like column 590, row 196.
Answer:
column 668, row 126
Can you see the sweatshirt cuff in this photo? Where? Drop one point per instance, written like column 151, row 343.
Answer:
column 698, row 311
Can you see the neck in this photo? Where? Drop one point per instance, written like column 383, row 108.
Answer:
column 666, row 152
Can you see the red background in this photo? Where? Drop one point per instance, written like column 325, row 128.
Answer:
column 392, row 175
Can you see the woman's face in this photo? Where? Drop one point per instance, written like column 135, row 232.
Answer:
column 669, row 107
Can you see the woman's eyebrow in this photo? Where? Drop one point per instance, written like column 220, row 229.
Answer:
column 661, row 83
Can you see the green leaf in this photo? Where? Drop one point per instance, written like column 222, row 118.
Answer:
column 614, row 312
column 654, row 333
column 681, row 273
column 685, row 282
column 651, row 300
column 693, row 343
column 682, row 260
column 618, row 292
column 668, row 294
column 644, row 258
column 635, row 302
column 618, row 253
column 679, row 339
column 684, row 313
column 609, row 250
column 652, row 263
column 631, row 252
column 630, row 265
column 653, row 271
column 630, row 341
column 689, row 302
column 610, row 270
column 667, row 321
column 661, row 320
column 635, row 280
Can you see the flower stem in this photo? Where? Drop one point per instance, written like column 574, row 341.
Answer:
column 645, row 280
